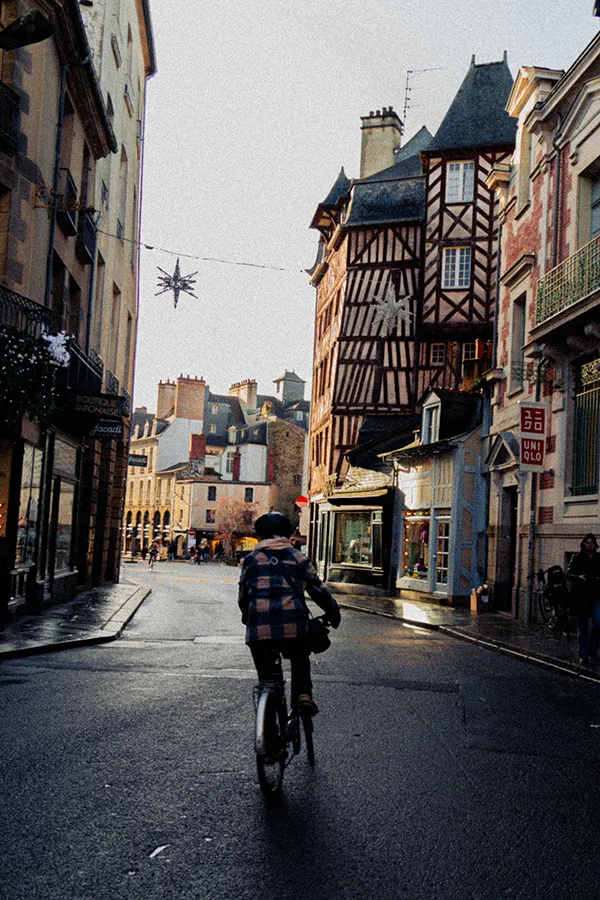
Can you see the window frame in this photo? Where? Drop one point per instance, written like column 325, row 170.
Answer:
column 465, row 187
column 456, row 282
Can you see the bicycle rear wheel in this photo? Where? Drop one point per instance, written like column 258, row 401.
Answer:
column 307, row 725
column 270, row 742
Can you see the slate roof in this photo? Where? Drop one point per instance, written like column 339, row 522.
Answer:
column 477, row 116
column 380, row 434
column 408, row 160
column 339, row 191
column 289, row 376
column 387, row 201
column 460, row 412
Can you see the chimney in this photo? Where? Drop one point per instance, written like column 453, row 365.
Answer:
column 166, row 398
column 246, row 392
column 197, row 446
column 381, row 137
column 189, row 398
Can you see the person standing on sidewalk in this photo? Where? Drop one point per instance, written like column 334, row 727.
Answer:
column 583, row 576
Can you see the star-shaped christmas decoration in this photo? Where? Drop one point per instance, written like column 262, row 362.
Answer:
column 391, row 309
column 176, row 283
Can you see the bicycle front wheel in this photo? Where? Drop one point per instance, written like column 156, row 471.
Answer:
column 269, row 744
column 307, row 725
column 546, row 608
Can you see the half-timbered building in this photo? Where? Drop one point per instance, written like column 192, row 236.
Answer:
column 406, row 281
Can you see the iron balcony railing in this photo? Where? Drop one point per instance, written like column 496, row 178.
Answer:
column 573, row 280
column 66, row 214
column 112, row 383
column 83, row 373
column 9, row 119
column 86, row 239
column 22, row 314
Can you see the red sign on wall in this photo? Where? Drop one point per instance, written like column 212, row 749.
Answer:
column 534, row 417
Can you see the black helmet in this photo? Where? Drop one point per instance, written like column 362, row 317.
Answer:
column 273, row 524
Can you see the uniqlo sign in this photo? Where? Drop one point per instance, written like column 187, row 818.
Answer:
column 534, row 417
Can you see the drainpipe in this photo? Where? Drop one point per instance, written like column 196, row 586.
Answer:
column 557, row 187
column 532, row 528
column 92, row 286
column 56, row 181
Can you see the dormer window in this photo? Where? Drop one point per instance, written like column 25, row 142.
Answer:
column 430, row 430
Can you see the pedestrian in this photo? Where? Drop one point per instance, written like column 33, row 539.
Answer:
column 271, row 598
column 583, row 576
column 198, row 559
column 172, row 550
column 153, row 554
column 204, row 549
column 144, row 551
column 219, row 551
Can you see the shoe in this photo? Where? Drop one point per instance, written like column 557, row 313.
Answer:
column 306, row 704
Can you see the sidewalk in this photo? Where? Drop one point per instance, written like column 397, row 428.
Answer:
column 94, row 617
column 494, row 631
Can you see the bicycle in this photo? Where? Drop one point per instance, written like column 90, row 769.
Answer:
column 552, row 599
column 278, row 735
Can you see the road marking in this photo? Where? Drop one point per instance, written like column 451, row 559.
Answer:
column 157, row 851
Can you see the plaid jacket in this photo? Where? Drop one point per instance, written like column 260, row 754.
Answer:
column 271, row 609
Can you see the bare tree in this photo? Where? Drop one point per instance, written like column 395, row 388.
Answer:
column 235, row 519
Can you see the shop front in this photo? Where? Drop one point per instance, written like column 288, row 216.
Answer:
column 353, row 538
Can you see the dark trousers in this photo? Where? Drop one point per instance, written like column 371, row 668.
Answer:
column 267, row 659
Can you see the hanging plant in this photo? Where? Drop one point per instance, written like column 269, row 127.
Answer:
column 28, row 367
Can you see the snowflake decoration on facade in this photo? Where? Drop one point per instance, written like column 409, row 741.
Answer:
column 176, row 283
column 391, row 309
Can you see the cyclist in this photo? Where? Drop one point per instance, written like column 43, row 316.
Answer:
column 271, row 598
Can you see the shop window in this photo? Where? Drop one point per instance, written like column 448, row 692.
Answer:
column 416, row 546
column 64, row 526
column 443, row 552
column 27, row 528
column 352, row 539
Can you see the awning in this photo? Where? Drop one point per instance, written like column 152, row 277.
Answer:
column 340, row 496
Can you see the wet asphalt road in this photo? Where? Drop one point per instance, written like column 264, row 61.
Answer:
column 443, row 770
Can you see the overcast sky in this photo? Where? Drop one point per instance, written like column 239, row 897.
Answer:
column 255, row 108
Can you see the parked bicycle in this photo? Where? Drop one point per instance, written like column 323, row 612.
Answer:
column 278, row 733
column 552, row 599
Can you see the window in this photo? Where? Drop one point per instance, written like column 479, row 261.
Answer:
column 352, row 538
column 416, row 545
column 299, row 416
column 212, row 429
column 249, row 495
column 27, row 528
column 443, row 552
column 517, row 341
column 214, row 409
column 210, row 516
column 431, row 424
column 595, row 208
column 158, row 490
column 229, row 463
column 456, row 267
column 586, row 428
column 150, row 458
column 438, row 354
column 297, row 479
column 459, row 182
column 212, row 493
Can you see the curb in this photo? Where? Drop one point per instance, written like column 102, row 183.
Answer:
column 539, row 659
column 110, row 631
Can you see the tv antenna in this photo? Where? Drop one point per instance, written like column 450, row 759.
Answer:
column 410, row 74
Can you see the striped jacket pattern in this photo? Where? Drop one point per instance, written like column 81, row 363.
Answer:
column 271, row 609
